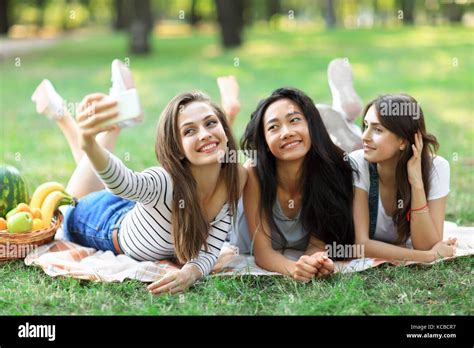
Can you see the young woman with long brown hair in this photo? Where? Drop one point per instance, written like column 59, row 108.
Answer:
column 182, row 209
column 402, row 187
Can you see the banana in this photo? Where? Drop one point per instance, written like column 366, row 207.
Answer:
column 52, row 202
column 42, row 191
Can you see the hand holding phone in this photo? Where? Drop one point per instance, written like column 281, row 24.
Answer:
column 128, row 109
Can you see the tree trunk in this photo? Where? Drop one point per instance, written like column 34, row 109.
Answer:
column 408, row 8
column 273, row 8
column 330, row 14
column 4, row 17
column 247, row 13
column 230, row 18
column 141, row 25
column 40, row 5
column 453, row 12
column 122, row 14
column 194, row 17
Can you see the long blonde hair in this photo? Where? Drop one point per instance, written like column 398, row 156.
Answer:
column 189, row 225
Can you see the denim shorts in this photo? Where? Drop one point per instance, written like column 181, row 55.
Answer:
column 91, row 222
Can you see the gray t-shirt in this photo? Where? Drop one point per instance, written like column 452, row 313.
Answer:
column 296, row 237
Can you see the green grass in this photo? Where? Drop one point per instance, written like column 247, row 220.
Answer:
column 442, row 289
column 435, row 65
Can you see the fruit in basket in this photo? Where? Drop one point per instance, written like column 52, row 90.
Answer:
column 42, row 191
column 10, row 213
column 3, row 224
column 38, row 224
column 20, row 222
column 52, row 202
column 36, row 212
column 23, row 207
column 13, row 189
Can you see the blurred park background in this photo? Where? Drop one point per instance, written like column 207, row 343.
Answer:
column 143, row 19
column 421, row 47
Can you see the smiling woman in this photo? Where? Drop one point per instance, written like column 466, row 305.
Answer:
column 285, row 116
column 191, row 133
column 401, row 192
column 299, row 195
column 201, row 137
column 183, row 209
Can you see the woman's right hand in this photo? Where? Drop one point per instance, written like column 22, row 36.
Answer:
column 92, row 111
column 444, row 248
column 309, row 266
column 305, row 268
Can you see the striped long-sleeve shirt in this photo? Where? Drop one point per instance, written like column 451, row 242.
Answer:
column 145, row 231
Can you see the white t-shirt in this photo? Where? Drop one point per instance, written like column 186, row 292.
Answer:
column 386, row 231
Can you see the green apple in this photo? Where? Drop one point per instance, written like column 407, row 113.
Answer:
column 10, row 213
column 20, row 222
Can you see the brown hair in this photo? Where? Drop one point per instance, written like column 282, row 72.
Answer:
column 402, row 115
column 190, row 226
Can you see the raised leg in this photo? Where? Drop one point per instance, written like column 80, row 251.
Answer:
column 344, row 96
column 229, row 90
column 84, row 180
column 68, row 126
column 50, row 104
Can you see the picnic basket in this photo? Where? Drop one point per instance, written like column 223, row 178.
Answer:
column 18, row 245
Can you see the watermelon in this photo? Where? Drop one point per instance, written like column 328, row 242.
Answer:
column 13, row 189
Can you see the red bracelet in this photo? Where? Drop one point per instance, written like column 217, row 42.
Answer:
column 410, row 210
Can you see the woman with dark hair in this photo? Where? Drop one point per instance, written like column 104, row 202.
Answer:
column 402, row 187
column 299, row 194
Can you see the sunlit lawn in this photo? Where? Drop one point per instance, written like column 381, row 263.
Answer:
column 435, row 65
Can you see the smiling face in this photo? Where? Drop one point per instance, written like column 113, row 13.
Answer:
column 286, row 130
column 203, row 138
column 380, row 144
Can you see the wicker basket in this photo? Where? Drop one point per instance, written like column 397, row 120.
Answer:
column 18, row 245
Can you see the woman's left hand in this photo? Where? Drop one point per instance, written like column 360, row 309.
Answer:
column 415, row 177
column 326, row 265
column 172, row 283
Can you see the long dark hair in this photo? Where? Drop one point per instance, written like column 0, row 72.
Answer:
column 401, row 114
column 327, row 174
column 190, row 226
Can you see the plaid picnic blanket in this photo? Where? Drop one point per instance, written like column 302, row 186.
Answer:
column 63, row 258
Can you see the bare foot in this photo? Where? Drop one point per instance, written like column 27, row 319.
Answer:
column 229, row 89
column 48, row 101
column 345, row 98
column 122, row 78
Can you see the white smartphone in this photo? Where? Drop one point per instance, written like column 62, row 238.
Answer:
column 129, row 110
